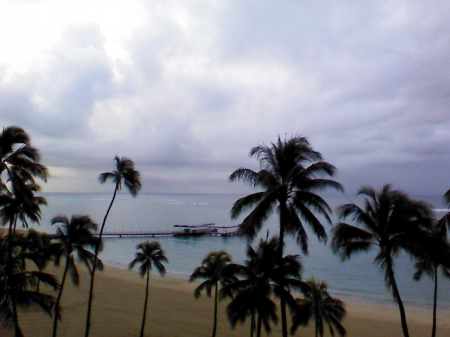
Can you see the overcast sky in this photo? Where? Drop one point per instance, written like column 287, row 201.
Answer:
column 187, row 88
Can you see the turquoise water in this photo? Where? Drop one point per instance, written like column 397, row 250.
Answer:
column 357, row 280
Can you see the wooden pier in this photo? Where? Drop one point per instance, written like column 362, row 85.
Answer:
column 180, row 230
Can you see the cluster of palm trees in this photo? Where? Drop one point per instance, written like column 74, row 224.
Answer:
column 24, row 255
column 292, row 173
column 253, row 286
column 289, row 183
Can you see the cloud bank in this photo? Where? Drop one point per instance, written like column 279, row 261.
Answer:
column 185, row 89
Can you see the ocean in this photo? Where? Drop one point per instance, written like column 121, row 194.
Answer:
column 355, row 280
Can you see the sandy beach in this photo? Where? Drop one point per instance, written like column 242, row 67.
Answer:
column 173, row 311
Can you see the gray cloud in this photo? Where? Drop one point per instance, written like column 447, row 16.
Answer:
column 202, row 83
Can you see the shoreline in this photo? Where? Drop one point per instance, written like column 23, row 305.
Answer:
column 354, row 299
column 173, row 311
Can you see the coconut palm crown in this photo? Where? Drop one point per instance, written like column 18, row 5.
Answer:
column 18, row 157
column 289, row 178
column 319, row 305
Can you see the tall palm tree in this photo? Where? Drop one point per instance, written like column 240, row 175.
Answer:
column 318, row 304
column 389, row 221
column 428, row 265
column 291, row 174
column 74, row 236
column 149, row 254
column 216, row 269
column 124, row 173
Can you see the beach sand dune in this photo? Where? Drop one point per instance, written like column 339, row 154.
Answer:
column 173, row 311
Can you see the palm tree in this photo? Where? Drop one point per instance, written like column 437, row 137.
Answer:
column 390, row 221
column 19, row 203
column 430, row 266
column 19, row 287
column 125, row 173
column 149, row 254
column 252, row 299
column 318, row 304
column 18, row 157
column 73, row 236
column 263, row 275
column 216, row 269
column 289, row 178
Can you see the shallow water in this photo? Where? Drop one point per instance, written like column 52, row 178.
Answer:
column 357, row 280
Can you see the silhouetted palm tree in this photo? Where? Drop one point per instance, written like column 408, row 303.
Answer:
column 124, row 173
column 74, row 236
column 19, row 287
column 264, row 274
column 390, row 221
column 430, row 266
column 20, row 204
column 290, row 178
column 149, row 254
column 18, row 157
column 318, row 304
column 216, row 269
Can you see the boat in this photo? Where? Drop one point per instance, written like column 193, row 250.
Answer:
column 194, row 230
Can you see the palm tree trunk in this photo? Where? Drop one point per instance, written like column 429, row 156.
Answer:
column 9, row 275
column 433, row 331
column 258, row 331
column 58, row 300
column 252, row 324
column 215, row 311
column 18, row 332
column 283, row 210
column 94, row 267
column 145, row 304
column 397, row 298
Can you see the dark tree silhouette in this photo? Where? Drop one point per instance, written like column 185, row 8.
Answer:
column 149, row 254
column 73, row 237
column 264, row 275
column 18, row 157
column 291, row 174
column 389, row 221
column 216, row 269
column 427, row 265
column 19, row 286
column 124, row 173
column 319, row 305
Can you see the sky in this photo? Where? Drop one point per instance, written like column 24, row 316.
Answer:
column 186, row 88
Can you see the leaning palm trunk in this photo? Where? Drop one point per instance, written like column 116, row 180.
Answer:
column 58, row 300
column 396, row 294
column 145, row 304
column 94, row 267
column 433, row 331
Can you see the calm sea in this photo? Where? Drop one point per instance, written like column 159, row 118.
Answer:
column 357, row 280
